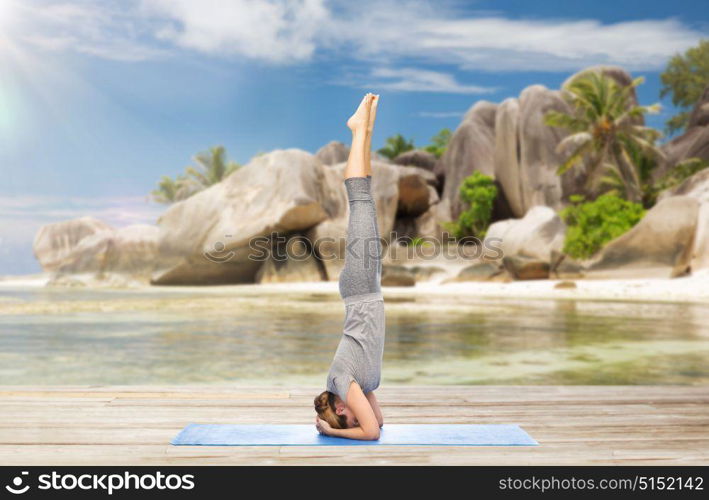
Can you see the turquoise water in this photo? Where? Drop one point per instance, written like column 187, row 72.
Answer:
column 181, row 337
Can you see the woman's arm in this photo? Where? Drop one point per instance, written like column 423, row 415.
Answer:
column 375, row 407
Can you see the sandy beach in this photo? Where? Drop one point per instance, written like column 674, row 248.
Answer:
column 690, row 289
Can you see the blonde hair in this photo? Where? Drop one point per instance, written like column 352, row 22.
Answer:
column 325, row 408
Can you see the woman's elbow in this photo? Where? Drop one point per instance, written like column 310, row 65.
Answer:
column 371, row 434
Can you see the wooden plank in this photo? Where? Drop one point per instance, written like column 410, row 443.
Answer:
column 111, row 425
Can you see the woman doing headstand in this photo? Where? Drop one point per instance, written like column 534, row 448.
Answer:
column 348, row 408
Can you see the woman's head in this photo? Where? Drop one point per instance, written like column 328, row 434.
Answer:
column 332, row 410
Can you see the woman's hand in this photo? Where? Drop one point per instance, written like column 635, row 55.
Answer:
column 368, row 428
column 323, row 427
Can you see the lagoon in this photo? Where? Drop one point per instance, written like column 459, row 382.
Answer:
column 252, row 336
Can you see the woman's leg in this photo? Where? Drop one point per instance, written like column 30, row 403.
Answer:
column 368, row 166
column 359, row 124
column 362, row 271
column 368, row 139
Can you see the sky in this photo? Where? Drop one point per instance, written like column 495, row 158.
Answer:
column 99, row 99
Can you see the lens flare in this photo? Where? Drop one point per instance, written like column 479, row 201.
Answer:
column 7, row 8
column 6, row 115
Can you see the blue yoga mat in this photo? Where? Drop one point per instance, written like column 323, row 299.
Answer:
column 391, row 434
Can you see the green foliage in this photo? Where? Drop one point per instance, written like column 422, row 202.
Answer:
column 685, row 78
column 212, row 167
column 395, row 145
column 479, row 192
column 605, row 133
column 612, row 183
column 439, row 142
column 170, row 190
column 593, row 224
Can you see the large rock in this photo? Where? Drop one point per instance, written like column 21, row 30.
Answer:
column 429, row 224
column 538, row 143
column 130, row 251
column 659, row 246
column 329, row 236
column 426, row 272
column 526, row 156
column 424, row 225
column 525, row 268
column 564, row 267
column 471, row 148
column 700, row 113
column 417, row 158
column 416, row 191
column 332, row 153
column 693, row 143
column 534, row 236
column 696, row 186
column 290, row 261
column 217, row 235
column 480, row 271
column 512, row 143
column 393, row 275
column 538, row 156
column 507, row 167
column 54, row 242
column 700, row 248
column 112, row 257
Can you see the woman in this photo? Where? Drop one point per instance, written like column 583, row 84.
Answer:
column 348, row 408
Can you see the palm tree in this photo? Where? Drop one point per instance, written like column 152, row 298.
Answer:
column 395, row 145
column 171, row 190
column 605, row 131
column 439, row 142
column 212, row 167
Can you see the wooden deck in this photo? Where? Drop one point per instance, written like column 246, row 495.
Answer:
column 574, row 425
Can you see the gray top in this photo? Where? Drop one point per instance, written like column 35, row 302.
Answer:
column 359, row 354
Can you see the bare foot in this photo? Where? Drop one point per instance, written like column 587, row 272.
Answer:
column 373, row 114
column 359, row 121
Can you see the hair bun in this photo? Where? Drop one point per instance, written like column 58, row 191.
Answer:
column 325, row 408
column 321, row 401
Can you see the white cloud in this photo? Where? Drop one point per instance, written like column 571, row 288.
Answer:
column 440, row 114
column 276, row 31
column 419, row 80
column 385, row 33
column 89, row 27
column 439, row 33
column 505, row 44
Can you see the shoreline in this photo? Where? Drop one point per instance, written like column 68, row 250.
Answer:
column 690, row 289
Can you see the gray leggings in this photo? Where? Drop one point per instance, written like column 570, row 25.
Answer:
column 363, row 263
